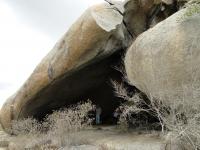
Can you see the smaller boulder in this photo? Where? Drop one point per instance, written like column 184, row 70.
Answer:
column 164, row 61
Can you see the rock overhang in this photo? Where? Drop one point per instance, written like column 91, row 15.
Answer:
column 79, row 63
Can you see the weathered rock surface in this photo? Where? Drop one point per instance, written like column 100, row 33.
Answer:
column 79, row 67
column 85, row 43
column 165, row 59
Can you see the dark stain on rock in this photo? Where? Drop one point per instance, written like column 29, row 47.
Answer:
column 50, row 72
column 62, row 44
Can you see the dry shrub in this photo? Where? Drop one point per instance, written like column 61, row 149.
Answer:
column 178, row 113
column 132, row 108
column 63, row 124
column 59, row 129
column 73, row 119
column 25, row 126
column 106, row 147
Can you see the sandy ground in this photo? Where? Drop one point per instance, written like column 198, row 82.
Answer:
column 111, row 138
column 4, row 140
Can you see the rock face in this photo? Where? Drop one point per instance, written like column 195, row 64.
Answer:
column 165, row 59
column 85, row 43
column 79, row 67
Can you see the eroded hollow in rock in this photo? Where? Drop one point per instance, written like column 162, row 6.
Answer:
column 92, row 82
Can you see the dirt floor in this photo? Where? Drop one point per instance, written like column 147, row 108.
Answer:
column 4, row 140
column 110, row 138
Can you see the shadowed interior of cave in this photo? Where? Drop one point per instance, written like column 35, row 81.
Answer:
column 92, row 82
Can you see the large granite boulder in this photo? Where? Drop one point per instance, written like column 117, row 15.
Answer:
column 79, row 67
column 164, row 61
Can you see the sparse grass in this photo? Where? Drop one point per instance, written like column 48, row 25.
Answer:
column 106, row 147
column 59, row 130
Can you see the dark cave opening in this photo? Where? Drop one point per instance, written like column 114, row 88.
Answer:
column 92, row 82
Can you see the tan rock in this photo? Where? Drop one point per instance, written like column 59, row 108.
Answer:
column 165, row 59
column 83, row 43
column 79, row 66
